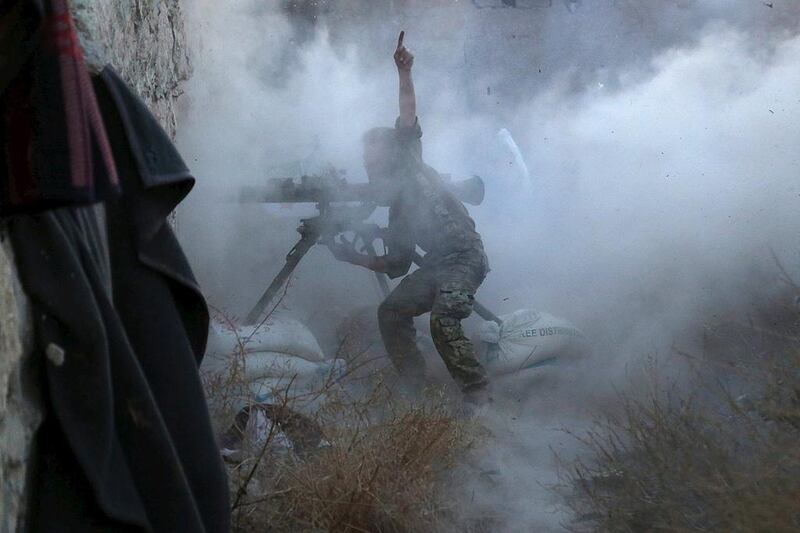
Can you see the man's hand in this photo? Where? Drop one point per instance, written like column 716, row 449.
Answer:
column 403, row 58
column 343, row 250
column 408, row 99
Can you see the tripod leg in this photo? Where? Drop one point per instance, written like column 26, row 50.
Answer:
column 292, row 260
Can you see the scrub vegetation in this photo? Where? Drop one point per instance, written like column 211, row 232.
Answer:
column 714, row 451
column 367, row 458
column 717, row 454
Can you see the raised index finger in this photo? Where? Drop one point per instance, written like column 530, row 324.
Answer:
column 400, row 40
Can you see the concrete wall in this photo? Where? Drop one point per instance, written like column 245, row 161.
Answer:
column 145, row 41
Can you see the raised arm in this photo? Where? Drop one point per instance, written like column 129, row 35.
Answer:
column 404, row 60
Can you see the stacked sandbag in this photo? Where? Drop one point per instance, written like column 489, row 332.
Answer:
column 273, row 363
column 283, row 335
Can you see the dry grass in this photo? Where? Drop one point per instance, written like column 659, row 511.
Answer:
column 724, row 456
column 720, row 453
column 385, row 475
column 384, row 464
column 227, row 391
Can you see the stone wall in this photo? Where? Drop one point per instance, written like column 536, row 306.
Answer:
column 145, row 41
column 19, row 406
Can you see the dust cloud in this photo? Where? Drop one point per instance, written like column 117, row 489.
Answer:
column 660, row 140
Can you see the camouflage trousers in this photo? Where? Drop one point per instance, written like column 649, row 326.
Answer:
column 447, row 291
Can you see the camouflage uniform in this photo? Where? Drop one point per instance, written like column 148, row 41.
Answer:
column 424, row 214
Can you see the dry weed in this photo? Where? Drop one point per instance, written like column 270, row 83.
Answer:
column 724, row 457
column 383, row 464
column 386, row 475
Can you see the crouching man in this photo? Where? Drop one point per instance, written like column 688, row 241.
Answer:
column 422, row 213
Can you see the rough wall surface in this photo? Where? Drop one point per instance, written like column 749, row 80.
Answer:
column 19, row 405
column 144, row 40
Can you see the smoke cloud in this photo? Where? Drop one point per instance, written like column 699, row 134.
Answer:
column 661, row 141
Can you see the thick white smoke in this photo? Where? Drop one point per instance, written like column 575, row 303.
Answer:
column 654, row 201
column 663, row 170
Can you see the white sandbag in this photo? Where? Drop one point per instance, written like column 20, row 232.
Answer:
column 288, row 367
column 269, row 377
column 303, row 391
column 529, row 339
column 283, row 352
column 282, row 335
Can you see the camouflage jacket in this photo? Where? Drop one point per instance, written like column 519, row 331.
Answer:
column 425, row 214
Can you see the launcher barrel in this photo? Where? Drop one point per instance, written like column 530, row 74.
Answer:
column 323, row 190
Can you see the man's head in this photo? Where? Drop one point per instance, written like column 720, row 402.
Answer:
column 380, row 153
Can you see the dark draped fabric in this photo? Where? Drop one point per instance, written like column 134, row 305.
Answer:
column 54, row 149
column 121, row 327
